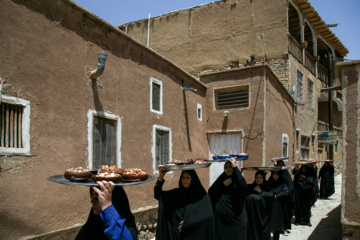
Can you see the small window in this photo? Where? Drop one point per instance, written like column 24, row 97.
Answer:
column 14, row 126
column 104, row 139
column 304, row 150
column 285, row 144
column 310, row 93
column 337, row 146
column 155, row 96
column 199, row 112
column 313, row 143
column 162, row 146
column 234, row 97
column 299, row 87
column 297, row 139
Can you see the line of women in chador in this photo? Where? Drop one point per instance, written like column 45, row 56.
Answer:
column 231, row 209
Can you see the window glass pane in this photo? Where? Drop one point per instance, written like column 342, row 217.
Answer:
column 104, row 142
column 162, row 147
column 156, row 89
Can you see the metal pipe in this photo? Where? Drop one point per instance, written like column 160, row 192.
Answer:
column 102, row 56
column 1, row 89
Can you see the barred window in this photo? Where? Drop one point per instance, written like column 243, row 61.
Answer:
column 11, row 125
column 14, row 126
column 235, row 97
column 299, row 88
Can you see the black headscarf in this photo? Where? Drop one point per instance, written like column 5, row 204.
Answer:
column 274, row 184
column 229, row 206
column 191, row 205
column 94, row 228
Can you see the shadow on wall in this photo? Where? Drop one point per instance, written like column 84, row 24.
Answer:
column 330, row 227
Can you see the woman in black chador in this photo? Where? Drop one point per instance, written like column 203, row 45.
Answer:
column 304, row 185
column 279, row 213
column 258, row 205
column 326, row 175
column 291, row 198
column 227, row 195
column 184, row 212
column 94, row 227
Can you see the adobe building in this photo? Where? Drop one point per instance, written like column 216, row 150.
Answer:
column 63, row 103
column 287, row 35
column 349, row 72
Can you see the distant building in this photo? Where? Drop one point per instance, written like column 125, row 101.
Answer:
column 288, row 35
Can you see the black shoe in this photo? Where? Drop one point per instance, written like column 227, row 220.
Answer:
column 309, row 224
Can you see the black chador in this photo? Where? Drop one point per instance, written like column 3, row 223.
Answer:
column 189, row 207
column 228, row 200
column 258, row 208
column 327, row 187
column 279, row 213
column 304, row 185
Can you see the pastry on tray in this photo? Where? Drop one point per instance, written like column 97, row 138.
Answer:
column 77, row 174
column 107, row 176
column 134, row 175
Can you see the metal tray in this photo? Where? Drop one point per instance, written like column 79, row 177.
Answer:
column 281, row 159
column 305, row 163
column 225, row 158
column 214, row 161
column 90, row 183
column 186, row 166
column 271, row 168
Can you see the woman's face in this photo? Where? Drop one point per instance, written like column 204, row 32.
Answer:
column 228, row 169
column 303, row 169
column 281, row 164
column 259, row 179
column 275, row 176
column 186, row 180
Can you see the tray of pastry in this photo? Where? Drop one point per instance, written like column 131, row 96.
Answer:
column 187, row 164
column 305, row 162
column 85, row 177
column 90, row 183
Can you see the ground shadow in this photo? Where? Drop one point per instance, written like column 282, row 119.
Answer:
column 329, row 227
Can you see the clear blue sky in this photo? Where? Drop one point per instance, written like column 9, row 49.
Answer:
column 344, row 12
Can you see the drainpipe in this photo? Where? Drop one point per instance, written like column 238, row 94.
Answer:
column 102, row 56
column 1, row 89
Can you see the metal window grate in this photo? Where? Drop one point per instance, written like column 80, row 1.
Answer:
column 11, row 125
column 232, row 98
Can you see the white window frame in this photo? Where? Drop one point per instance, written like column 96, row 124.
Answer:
column 90, row 115
column 199, row 107
column 153, row 80
column 153, row 149
column 25, row 127
column 285, row 136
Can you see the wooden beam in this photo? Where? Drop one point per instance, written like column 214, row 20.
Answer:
column 331, row 89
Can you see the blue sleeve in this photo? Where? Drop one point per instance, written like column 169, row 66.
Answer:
column 115, row 228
